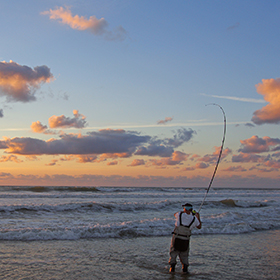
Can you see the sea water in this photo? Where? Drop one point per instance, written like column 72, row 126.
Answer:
column 124, row 233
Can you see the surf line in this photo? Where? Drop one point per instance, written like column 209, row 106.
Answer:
column 219, row 157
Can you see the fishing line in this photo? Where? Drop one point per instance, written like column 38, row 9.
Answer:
column 220, row 155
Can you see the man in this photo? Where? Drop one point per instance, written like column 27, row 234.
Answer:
column 185, row 221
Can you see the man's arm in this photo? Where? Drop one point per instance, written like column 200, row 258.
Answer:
column 198, row 217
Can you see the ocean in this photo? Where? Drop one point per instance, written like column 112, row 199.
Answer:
column 125, row 233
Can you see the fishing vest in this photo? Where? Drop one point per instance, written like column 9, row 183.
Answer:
column 182, row 231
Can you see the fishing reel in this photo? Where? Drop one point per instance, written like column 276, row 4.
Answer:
column 194, row 212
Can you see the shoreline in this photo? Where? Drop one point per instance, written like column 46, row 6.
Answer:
column 245, row 256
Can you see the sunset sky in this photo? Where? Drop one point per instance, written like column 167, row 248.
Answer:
column 114, row 93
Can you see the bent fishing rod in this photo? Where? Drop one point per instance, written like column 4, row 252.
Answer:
column 219, row 157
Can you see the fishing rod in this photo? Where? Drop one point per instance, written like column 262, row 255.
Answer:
column 219, row 157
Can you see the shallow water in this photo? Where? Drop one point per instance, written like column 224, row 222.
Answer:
column 245, row 256
column 124, row 233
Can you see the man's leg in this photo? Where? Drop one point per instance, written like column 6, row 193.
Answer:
column 173, row 256
column 184, row 259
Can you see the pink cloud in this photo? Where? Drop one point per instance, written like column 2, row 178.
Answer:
column 167, row 119
column 270, row 89
column 12, row 158
column 235, row 169
column 256, row 144
column 115, row 162
column 38, row 127
column 86, row 158
column 213, row 157
column 94, row 25
column 52, row 163
column 20, row 82
column 201, row 165
column 65, row 122
column 137, row 162
column 242, row 157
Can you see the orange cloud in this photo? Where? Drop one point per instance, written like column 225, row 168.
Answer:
column 179, row 156
column 270, row 89
column 246, row 158
column 213, row 157
column 94, row 25
column 176, row 159
column 137, row 162
column 256, row 144
column 273, row 164
column 115, row 162
column 19, row 83
column 167, row 119
column 65, row 122
column 52, row 163
column 10, row 158
column 199, row 165
column 38, row 127
column 86, row 158
column 235, row 169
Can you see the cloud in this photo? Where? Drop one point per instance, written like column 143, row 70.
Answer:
column 137, row 162
column 272, row 163
column 256, row 144
column 86, row 158
column 167, row 119
column 65, row 122
column 165, row 147
column 250, row 125
column 246, row 158
column 103, row 141
column 206, row 160
column 242, row 99
column 211, row 158
column 19, row 83
column 115, row 162
column 155, row 150
column 176, row 159
column 1, row 113
column 38, row 127
column 235, row 169
column 201, row 165
column 181, row 136
column 233, row 26
column 270, row 89
column 52, row 163
column 96, row 26
column 12, row 158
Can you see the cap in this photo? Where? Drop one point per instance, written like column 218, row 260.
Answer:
column 188, row 206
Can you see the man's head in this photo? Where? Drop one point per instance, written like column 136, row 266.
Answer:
column 187, row 207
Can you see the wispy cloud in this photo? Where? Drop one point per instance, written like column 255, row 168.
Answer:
column 94, row 25
column 242, row 99
column 167, row 119
column 234, row 26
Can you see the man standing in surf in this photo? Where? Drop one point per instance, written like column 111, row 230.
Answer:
column 180, row 244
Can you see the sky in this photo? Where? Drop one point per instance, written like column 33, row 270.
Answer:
column 121, row 93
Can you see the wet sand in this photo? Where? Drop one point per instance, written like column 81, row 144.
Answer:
column 245, row 256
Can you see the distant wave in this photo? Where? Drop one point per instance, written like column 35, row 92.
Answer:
column 238, row 203
column 87, row 206
column 48, row 189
